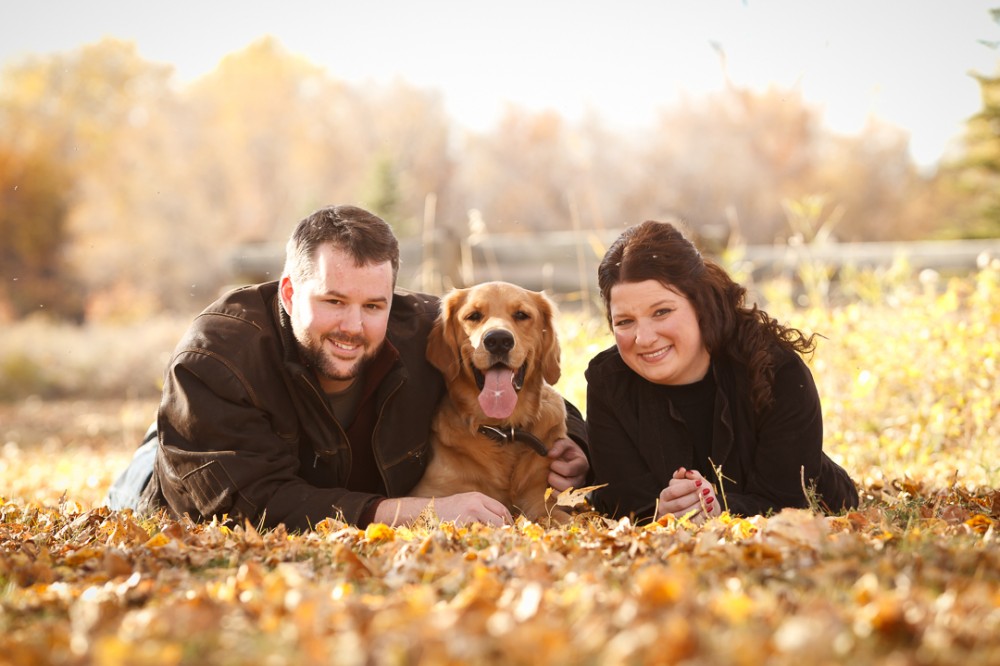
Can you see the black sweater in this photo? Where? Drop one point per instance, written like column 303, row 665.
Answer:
column 637, row 440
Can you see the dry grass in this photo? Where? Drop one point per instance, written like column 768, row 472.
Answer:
column 912, row 410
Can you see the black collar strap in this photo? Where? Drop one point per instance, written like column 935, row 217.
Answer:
column 501, row 436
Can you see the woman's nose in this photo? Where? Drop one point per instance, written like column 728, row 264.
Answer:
column 643, row 334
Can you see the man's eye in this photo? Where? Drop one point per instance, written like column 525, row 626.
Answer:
column 475, row 315
column 521, row 315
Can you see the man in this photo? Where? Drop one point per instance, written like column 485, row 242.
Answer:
column 291, row 401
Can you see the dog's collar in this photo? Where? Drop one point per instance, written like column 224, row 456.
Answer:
column 507, row 436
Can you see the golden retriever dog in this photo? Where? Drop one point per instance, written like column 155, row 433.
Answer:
column 496, row 345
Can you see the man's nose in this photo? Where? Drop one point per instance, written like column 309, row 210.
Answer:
column 352, row 322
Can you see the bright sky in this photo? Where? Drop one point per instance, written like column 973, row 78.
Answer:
column 905, row 61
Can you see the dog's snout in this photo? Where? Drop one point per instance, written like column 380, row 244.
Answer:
column 498, row 341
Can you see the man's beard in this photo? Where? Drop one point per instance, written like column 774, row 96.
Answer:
column 327, row 368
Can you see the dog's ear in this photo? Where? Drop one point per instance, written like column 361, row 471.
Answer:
column 442, row 344
column 550, row 340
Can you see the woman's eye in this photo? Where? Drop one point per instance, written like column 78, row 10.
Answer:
column 622, row 322
column 662, row 311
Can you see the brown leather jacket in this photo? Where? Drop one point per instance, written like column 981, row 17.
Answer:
column 242, row 420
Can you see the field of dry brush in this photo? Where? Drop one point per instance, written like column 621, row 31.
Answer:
column 909, row 381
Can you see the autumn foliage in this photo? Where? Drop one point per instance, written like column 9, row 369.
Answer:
column 911, row 397
column 145, row 189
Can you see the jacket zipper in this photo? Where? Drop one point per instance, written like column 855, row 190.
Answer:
column 329, row 412
column 375, row 430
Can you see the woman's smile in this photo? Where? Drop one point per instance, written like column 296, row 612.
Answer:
column 653, row 356
column 657, row 333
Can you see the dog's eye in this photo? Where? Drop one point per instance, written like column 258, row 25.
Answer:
column 475, row 315
column 521, row 315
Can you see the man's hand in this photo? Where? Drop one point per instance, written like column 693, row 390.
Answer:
column 462, row 508
column 569, row 465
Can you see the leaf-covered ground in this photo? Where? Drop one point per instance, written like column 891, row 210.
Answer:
column 868, row 587
column 911, row 403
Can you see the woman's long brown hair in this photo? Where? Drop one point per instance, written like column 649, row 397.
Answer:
column 660, row 251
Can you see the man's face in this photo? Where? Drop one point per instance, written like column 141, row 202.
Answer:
column 340, row 315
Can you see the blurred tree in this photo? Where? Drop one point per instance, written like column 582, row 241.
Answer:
column 34, row 200
column 80, row 110
column 521, row 175
column 159, row 185
column 263, row 140
column 406, row 128
column 872, row 180
column 382, row 192
column 728, row 160
column 962, row 198
column 279, row 138
column 977, row 173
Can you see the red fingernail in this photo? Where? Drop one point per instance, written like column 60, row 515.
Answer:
column 697, row 484
column 709, row 500
column 705, row 491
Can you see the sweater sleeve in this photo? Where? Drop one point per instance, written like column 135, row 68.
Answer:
column 576, row 428
column 632, row 488
column 788, row 458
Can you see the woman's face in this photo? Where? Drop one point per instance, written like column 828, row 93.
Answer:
column 656, row 330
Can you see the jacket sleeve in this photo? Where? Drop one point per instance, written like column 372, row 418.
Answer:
column 221, row 454
column 632, row 488
column 789, row 452
column 576, row 428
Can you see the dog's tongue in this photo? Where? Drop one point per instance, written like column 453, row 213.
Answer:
column 498, row 397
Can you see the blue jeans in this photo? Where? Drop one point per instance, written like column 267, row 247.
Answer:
column 127, row 488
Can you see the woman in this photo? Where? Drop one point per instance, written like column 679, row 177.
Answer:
column 703, row 404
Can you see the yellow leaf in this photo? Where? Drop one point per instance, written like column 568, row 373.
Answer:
column 405, row 533
column 980, row 523
column 739, row 528
column 533, row 531
column 735, row 606
column 158, row 541
column 377, row 532
column 574, row 497
column 658, row 586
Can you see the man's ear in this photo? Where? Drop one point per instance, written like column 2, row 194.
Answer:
column 285, row 291
column 443, row 350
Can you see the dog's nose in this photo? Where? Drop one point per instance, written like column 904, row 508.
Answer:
column 498, row 341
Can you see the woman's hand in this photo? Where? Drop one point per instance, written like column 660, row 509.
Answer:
column 688, row 492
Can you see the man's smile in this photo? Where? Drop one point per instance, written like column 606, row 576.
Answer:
column 348, row 346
